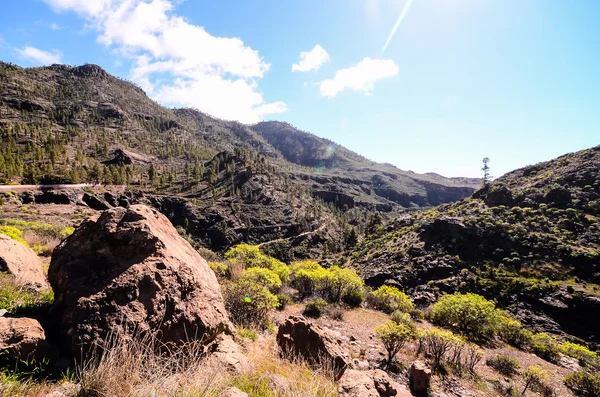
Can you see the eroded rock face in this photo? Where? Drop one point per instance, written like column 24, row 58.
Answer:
column 24, row 338
column 128, row 271
column 374, row 383
column 21, row 262
column 299, row 337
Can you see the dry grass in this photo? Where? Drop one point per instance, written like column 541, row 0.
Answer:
column 132, row 368
column 42, row 245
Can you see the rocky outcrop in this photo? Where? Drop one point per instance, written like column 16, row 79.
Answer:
column 419, row 376
column 374, row 383
column 23, row 339
column 52, row 197
column 298, row 337
column 126, row 272
column 21, row 262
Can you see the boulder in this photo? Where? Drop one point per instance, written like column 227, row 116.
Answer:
column 419, row 377
column 21, row 262
column 66, row 197
column 94, row 202
column 227, row 354
column 233, row 392
column 127, row 271
column 374, row 383
column 24, row 338
column 298, row 337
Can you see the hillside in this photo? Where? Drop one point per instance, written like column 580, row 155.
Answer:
column 530, row 240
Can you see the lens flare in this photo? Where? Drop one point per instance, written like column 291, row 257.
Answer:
column 398, row 22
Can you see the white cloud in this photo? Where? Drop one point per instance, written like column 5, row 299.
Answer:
column 361, row 77
column 55, row 26
column 311, row 60
column 176, row 62
column 39, row 57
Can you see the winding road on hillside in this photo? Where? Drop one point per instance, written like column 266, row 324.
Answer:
column 24, row 188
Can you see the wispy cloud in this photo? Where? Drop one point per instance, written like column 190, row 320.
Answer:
column 55, row 26
column 398, row 22
column 311, row 60
column 39, row 57
column 176, row 62
column 361, row 78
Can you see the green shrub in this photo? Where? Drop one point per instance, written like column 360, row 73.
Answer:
column 471, row 314
column 247, row 333
column 586, row 357
column 315, row 308
column 394, row 335
column 342, row 283
column 545, row 346
column 219, row 268
column 248, row 303
column 334, row 284
column 438, row 344
column 506, row 365
column 583, row 383
column 400, row 317
column 262, row 276
column 14, row 234
column 282, row 301
column 511, row 331
column 389, row 299
column 250, row 256
column 536, row 379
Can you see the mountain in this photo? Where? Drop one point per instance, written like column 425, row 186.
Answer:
column 229, row 182
column 530, row 240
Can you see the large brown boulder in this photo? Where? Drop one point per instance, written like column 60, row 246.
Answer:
column 21, row 262
column 23, row 338
column 298, row 337
column 128, row 271
column 374, row 383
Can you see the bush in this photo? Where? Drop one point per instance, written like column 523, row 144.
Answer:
column 512, row 332
column 399, row 317
column 308, row 281
column 247, row 333
column 583, row 383
column 315, row 308
column 265, row 277
column 545, row 346
column 506, row 365
column 471, row 314
column 14, row 234
column 389, row 299
column 536, row 379
column 250, row 256
column 586, row 357
column 219, row 268
column 438, row 344
column 343, row 284
column 248, row 303
column 394, row 335
column 336, row 313
column 282, row 301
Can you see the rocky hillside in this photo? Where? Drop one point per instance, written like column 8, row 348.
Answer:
column 530, row 240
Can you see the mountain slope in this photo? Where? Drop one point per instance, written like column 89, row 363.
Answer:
column 530, row 240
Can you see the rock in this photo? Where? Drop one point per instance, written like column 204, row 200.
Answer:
column 233, row 392
column 94, row 202
column 374, row 383
column 419, row 376
column 128, row 271
column 228, row 354
column 24, row 338
column 21, row 262
column 299, row 337
column 52, row 197
column 121, row 157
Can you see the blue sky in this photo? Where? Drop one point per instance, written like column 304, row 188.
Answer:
column 514, row 80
